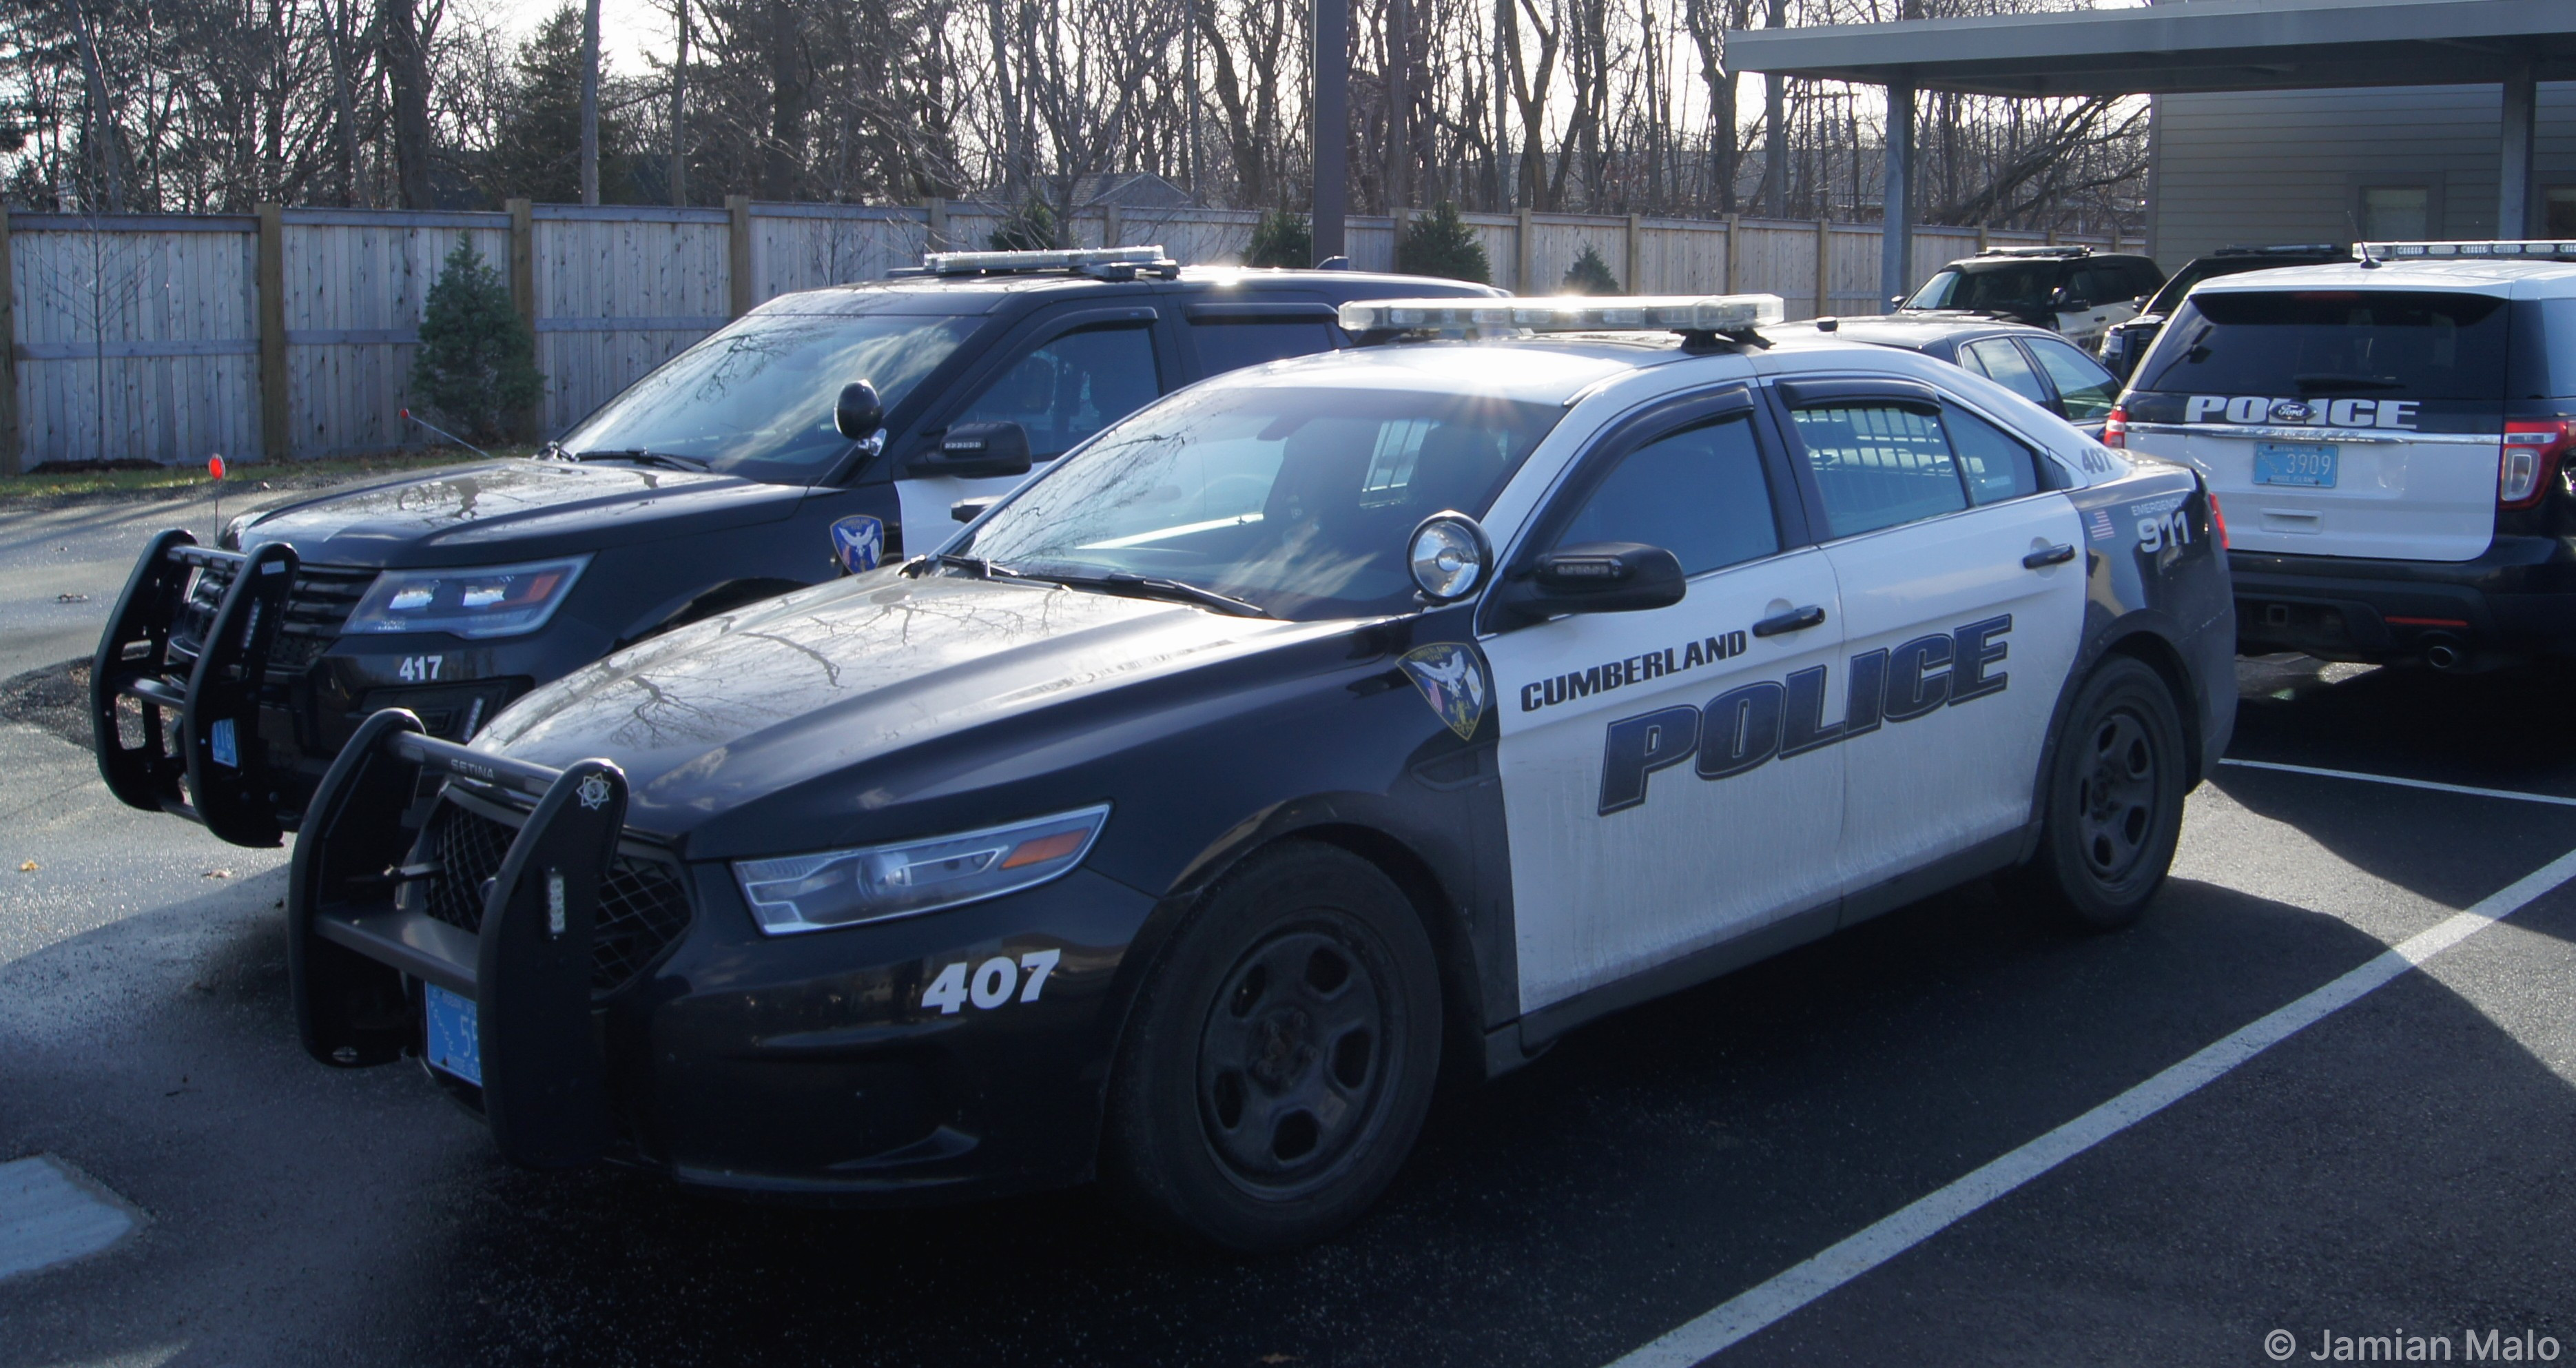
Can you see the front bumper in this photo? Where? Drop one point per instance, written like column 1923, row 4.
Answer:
column 2518, row 598
column 803, row 1064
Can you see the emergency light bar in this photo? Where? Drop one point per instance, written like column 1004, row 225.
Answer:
column 2542, row 250
column 1566, row 313
column 1088, row 260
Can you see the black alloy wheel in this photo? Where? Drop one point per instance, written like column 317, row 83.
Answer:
column 1280, row 1060
column 2113, row 811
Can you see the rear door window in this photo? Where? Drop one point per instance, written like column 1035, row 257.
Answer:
column 1877, row 463
column 1232, row 343
column 2085, row 391
column 1999, row 360
column 2333, row 343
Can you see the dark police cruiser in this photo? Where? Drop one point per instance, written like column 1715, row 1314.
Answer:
column 2391, row 438
column 1179, row 817
column 749, row 465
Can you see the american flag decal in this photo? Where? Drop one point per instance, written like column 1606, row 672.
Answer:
column 2101, row 525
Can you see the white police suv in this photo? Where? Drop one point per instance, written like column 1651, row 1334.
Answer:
column 1172, row 821
column 2390, row 437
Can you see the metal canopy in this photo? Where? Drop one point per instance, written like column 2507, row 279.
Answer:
column 2176, row 47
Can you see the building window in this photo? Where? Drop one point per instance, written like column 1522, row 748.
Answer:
column 2396, row 213
column 2558, row 211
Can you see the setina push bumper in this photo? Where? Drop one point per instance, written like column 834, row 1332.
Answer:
column 220, row 773
column 507, row 1007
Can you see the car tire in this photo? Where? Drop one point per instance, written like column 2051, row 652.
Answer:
column 2113, row 809
column 1278, row 1065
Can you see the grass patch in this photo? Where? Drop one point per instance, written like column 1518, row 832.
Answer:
column 245, row 477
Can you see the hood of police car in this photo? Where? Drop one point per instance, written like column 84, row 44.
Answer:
column 813, row 690
column 513, row 509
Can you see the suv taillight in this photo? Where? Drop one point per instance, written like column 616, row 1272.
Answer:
column 2217, row 517
column 2532, row 451
column 2115, row 428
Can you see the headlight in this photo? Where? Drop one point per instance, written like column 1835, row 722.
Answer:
column 871, row 883
column 486, row 601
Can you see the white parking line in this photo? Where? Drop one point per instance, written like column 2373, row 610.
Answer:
column 53, row 1213
column 2473, row 792
column 1787, row 1291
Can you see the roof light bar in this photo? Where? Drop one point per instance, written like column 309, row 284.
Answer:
column 2529, row 250
column 1068, row 259
column 1566, row 313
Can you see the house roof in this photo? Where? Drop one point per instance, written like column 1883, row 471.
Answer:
column 2188, row 46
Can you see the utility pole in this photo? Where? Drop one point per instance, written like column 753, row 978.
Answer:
column 680, row 116
column 1399, row 96
column 1775, row 139
column 1190, row 93
column 590, row 102
column 1332, row 124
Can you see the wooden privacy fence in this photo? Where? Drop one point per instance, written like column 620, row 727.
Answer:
column 289, row 333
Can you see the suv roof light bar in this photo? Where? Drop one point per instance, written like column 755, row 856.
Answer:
column 2286, row 249
column 2544, row 249
column 1107, row 263
column 1687, row 314
column 2055, row 249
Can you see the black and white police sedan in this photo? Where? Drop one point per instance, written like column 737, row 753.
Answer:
column 1179, row 817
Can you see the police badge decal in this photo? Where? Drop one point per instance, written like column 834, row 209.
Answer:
column 858, row 543
column 1452, row 680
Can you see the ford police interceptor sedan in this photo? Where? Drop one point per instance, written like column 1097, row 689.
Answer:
column 2391, row 436
column 1325, row 722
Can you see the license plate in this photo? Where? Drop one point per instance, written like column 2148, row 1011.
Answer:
column 2307, row 465
column 453, row 1046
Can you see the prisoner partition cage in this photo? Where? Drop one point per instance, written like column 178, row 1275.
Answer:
column 289, row 333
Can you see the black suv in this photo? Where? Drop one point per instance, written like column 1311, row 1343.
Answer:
column 825, row 431
column 2124, row 342
column 2072, row 291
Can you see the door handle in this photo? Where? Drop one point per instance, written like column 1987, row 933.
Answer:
column 2048, row 555
column 1795, row 620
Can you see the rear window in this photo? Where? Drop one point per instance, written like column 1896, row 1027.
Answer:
column 2332, row 342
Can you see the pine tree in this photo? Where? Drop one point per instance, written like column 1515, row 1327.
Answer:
column 1589, row 275
column 1441, row 244
column 476, row 367
column 536, row 153
column 1029, row 228
column 1281, row 239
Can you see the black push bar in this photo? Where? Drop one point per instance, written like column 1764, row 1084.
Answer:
column 351, row 944
column 220, row 775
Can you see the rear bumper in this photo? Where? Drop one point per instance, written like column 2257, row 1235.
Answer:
column 2518, row 598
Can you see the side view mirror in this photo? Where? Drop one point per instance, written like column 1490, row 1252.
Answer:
column 975, row 451
column 859, row 411
column 1594, row 577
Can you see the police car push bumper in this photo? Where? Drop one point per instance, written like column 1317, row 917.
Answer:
column 220, row 775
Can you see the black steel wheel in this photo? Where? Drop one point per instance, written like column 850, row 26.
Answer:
column 2113, row 811
column 1279, row 1063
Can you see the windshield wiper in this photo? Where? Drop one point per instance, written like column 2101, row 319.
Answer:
column 1115, row 582
column 1122, row 581
column 2310, row 384
column 642, row 457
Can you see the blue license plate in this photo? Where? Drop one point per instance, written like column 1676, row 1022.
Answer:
column 453, row 1046
column 2306, row 465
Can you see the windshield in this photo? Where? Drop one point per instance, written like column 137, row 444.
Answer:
column 2018, row 286
column 756, row 399
column 2403, row 344
column 1297, row 499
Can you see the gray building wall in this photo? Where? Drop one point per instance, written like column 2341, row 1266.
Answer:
column 2272, row 166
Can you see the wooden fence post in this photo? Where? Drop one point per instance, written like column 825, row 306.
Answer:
column 935, row 224
column 276, row 438
column 1113, row 226
column 1734, row 241
column 523, row 292
column 1824, row 267
column 1636, row 254
column 1984, row 239
column 1525, row 254
column 10, row 439
column 746, row 291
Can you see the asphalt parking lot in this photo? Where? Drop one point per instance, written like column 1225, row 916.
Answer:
column 2397, row 1167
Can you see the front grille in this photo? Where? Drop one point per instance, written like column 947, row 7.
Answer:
column 643, row 906
column 316, row 608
